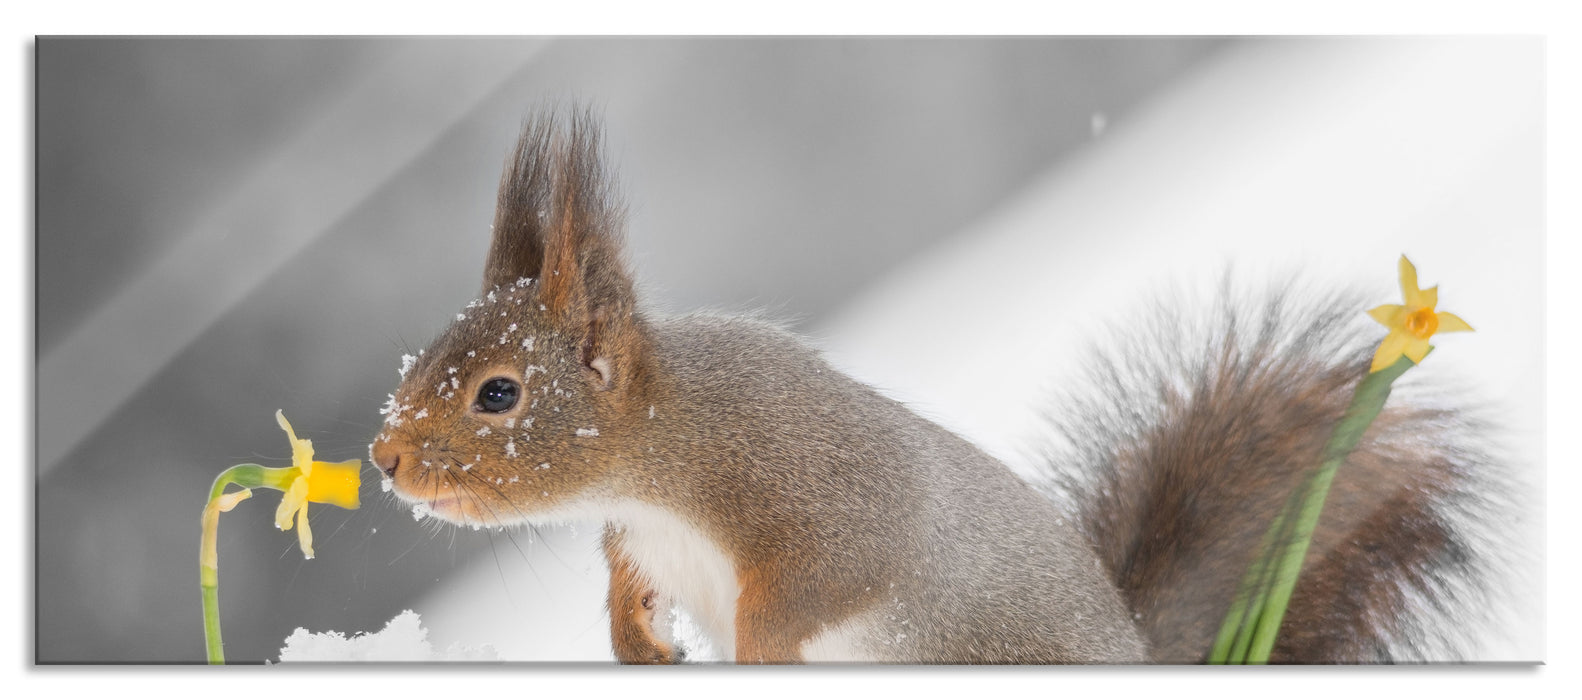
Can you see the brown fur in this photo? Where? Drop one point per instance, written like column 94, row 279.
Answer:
column 839, row 511
column 631, row 602
column 1178, row 496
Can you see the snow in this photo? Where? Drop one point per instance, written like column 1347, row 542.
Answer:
column 403, row 639
column 406, row 364
column 392, row 411
column 587, row 432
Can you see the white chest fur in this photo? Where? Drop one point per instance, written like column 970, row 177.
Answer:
column 685, row 567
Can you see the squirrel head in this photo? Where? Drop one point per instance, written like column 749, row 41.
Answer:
column 520, row 406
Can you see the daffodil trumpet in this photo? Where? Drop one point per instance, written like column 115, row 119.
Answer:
column 1250, row 628
column 305, row 481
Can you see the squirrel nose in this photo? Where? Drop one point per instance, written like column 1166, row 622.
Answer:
column 386, row 456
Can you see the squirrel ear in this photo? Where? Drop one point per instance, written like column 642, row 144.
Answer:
column 516, row 247
column 559, row 220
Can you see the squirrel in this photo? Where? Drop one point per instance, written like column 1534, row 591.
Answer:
column 798, row 515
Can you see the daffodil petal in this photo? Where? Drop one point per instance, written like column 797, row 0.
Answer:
column 336, row 483
column 1429, row 297
column 1450, row 323
column 228, row 501
column 1416, row 349
column 1386, row 314
column 1409, row 289
column 304, row 533
column 1390, row 350
column 301, row 450
column 295, row 499
column 280, row 418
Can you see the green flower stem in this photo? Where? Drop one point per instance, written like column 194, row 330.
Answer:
column 1365, row 406
column 1236, row 632
column 247, row 476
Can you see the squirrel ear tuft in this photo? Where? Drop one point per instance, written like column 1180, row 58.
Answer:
column 516, row 246
column 559, row 220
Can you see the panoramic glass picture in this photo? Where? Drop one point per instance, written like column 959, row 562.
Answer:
column 676, row 350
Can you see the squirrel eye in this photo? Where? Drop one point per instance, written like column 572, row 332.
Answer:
column 498, row 395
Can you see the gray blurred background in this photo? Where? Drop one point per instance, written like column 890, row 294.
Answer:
column 227, row 227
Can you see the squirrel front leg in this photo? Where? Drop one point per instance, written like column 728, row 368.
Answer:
column 766, row 633
column 632, row 603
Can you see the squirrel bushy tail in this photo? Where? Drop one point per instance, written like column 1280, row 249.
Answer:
column 1177, row 462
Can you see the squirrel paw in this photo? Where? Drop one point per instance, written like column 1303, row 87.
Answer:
column 652, row 654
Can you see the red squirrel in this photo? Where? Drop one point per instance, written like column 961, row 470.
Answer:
column 798, row 515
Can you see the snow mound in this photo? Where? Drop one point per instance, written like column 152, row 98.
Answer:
column 402, row 639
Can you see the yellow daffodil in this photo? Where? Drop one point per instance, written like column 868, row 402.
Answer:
column 304, row 482
column 314, row 482
column 1413, row 323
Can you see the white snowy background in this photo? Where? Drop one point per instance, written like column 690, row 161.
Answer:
column 227, row 227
